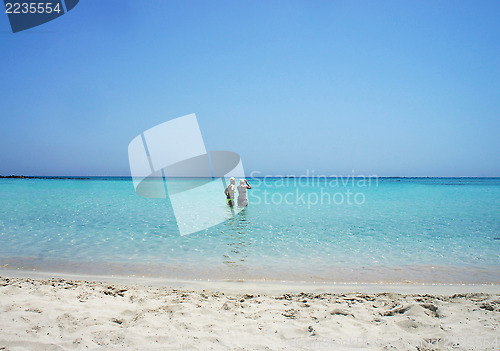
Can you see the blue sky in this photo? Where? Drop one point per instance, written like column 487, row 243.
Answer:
column 394, row 88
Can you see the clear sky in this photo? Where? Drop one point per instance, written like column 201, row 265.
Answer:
column 392, row 88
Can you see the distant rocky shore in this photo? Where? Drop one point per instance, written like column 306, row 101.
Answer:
column 39, row 177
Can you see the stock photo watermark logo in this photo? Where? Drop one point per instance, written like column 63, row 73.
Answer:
column 170, row 161
column 31, row 13
column 310, row 189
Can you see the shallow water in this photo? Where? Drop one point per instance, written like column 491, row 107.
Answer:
column 304, row 229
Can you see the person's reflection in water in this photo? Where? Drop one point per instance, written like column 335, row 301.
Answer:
column 235, row 231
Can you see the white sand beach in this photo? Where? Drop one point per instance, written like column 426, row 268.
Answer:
column 60, row 314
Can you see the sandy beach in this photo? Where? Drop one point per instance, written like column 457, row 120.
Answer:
column 59, row 314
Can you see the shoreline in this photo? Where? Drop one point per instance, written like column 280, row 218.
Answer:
column 266, row 286
column 334, row 275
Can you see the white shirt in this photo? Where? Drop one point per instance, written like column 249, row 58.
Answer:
column 242, row 192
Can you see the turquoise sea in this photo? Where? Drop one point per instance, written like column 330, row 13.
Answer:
column 429, row 230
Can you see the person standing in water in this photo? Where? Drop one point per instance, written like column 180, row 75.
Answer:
column 230, row 192
column 242, row 192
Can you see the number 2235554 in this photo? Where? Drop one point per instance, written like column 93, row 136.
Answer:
column 32, row 7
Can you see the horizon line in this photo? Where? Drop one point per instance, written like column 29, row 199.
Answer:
column 13, row 176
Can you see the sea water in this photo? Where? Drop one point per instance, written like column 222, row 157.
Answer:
column 432, row 230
